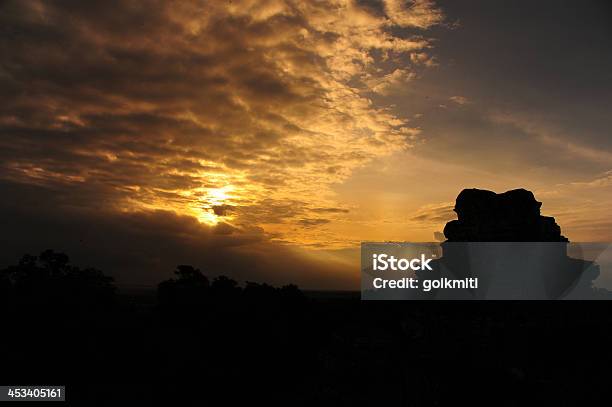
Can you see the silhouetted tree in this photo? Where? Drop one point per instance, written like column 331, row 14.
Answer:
column 190, row 287
column 265, row 292
column 6, row 289
column 51, row 280
column 291, row 292
column 55, row 264
column 259, row 292
column 225, row 287
column 189, row 275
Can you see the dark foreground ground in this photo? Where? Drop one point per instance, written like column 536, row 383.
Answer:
column 336, row 351
column 192, row 342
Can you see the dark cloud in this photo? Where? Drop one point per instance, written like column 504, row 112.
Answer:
column 222, row 210
column 553, row 68
column 144, row 247
column 330, row 210
column 313, row 222
column 436, row 214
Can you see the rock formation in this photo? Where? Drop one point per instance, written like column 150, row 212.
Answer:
column 512, row 216
column 529, row 260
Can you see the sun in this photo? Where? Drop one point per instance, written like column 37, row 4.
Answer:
column 218, row 196
column 214, row 197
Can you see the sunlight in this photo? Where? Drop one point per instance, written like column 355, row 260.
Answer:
column 208, row 217
column 214, row 197
column 218, row 196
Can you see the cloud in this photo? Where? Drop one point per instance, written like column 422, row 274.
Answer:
column 390, row 82
column 604, row 180
column 419, row 13
column 582, row 207
column 553, row 136
column 222, row 210
column 233, row 117
column 460, row 100
column 330, row 210
column 437, row 214
column 313, row 222
column 245, row 111
column 423, row 58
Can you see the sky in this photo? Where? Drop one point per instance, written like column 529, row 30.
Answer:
column 266, row 139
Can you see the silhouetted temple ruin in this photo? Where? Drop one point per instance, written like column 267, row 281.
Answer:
column 513, row 250
column 512, row 216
